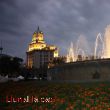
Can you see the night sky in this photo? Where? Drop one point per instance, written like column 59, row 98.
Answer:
column 62, row 22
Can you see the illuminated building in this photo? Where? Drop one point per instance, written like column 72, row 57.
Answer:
column 39, row 53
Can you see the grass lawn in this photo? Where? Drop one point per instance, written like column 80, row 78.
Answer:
column 44, row 95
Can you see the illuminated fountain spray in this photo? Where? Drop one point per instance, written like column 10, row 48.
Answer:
column 82, row 53
column 107, row 42
column 101, row 47
column 105, row 52
column 71, row 54
column 77, row 53
column 101, row 52
column 80, row 47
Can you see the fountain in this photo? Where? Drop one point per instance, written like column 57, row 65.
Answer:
column 101, row 48
column 100, row 55
column 107, row 42
column 74, row 53
column 93, row 67
column 71, row 54
column 81, row 53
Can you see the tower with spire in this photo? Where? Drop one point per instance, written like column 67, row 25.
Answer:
column 38, row 36
column 39, row 53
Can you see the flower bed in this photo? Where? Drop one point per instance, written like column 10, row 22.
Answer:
column 56, row 96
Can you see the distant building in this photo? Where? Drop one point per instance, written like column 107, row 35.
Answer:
column 39, row 53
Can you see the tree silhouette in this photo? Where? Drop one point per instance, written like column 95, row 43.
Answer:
column 10, row 65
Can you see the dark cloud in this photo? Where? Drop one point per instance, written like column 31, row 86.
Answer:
column 62, row 21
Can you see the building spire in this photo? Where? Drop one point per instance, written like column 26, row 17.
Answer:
column 38, row 29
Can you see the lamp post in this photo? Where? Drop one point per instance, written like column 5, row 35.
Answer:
column 1, row 48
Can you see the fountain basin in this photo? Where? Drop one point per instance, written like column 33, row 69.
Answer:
column 90, row 70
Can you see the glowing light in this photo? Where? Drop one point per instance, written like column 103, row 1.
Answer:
column 107, row 42
column 71, row 54
column 56, row 53
column 38, row 43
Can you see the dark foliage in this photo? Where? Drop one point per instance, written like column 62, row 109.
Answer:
column 10, row 65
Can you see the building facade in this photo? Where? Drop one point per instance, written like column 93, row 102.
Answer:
column 39, row 53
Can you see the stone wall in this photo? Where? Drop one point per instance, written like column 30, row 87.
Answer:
column 83, row 70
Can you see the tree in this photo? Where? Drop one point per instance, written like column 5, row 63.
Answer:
column 10, row 65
